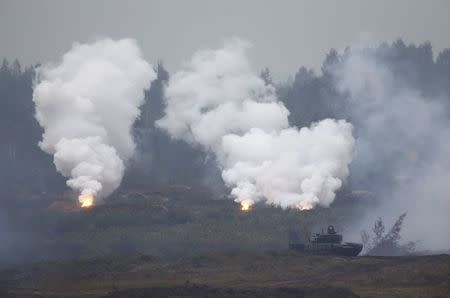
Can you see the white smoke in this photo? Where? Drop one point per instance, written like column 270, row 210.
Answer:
column 220, row 104
column 406, row 134
column 87, row 104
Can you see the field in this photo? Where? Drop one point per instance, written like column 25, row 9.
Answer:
column 163, row 222
column 261, row 274
column 181, row 242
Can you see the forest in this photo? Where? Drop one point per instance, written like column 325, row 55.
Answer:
column 309, row 96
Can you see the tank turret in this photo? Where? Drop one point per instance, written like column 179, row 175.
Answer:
column 327, row 243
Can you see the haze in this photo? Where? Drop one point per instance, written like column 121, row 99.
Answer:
column 286, row 34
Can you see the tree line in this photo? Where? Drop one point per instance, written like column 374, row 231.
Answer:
column 310, row 96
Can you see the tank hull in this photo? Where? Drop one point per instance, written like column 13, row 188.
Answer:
column 341, row 249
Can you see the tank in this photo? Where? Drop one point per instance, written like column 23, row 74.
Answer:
column 329, row 243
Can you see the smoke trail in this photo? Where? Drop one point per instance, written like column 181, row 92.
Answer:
column 405, row 136
column 87, row 104
column 218, row 103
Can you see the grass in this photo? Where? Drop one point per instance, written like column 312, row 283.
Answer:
column 169, row 240
column 417, row 276
column 165, row 223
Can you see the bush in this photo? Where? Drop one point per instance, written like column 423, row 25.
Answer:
column 386, row 244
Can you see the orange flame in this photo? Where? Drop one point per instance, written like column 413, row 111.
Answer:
column 246, row 205
column 86, row 201
column 305, row 207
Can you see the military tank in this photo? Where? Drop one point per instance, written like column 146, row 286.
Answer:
column 329, row 243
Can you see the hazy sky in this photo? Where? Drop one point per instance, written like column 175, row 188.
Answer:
column 285, row 34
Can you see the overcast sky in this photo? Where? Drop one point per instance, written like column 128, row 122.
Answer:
column 285, row 34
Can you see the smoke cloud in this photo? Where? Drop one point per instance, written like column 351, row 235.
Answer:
column 219, row 104
column 404, row 135
column 87, row 104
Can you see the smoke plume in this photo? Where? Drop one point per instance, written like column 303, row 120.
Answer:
column 87, row 104
column 218, row 103
column 403, row 137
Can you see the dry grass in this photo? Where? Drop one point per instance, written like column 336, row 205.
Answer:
column 425, row 276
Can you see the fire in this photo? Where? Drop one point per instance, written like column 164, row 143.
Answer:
column 305, row 206
column 86, row 201
column 246, row 205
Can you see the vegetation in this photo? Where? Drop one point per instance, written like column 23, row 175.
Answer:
column 280, row 272
column 171, row 223
column 161, row 222
column 383, row 244
column 309, row 96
